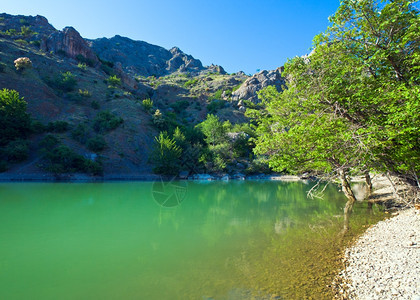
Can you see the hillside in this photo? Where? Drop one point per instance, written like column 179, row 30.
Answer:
column 79, row 82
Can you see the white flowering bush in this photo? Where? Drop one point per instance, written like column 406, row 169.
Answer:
column 23, row 63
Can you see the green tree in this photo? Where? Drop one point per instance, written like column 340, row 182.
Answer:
column 354, row 102
column 213, row 130
column 15, row 123
column 165, row 155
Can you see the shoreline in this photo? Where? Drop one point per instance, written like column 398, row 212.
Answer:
column 145, row 177
column 383, row 263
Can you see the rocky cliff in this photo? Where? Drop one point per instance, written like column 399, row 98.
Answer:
column 249, row 89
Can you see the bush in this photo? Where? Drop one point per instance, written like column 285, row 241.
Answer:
column 38, row 127
column 17, row 151
column 190, row 82
column 84, row 60
column 80, row 133
column 95, row 104
column 23, row 63
column 2, row 67
column 82, row 66
column 58, row 126
column 21, row 42
column 179, row 106
column 48, row 142
column 215, row 105
column 147, row 104
column 114, row 81
column 66, row 82
column 106, row 121
column 96, row 144
column 84, row 93
column 62, row 159
column 3, row 166
column 15, row 123
column 165, row 155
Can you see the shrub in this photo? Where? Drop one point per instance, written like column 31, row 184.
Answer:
column 165, row 155
column 215, row 105
column 190, row 82
column 58, row 126
column 147, row 104
column 80, row 133
column 84, row 93
column 179, row 106
column 15, row 123
column 82, row 66
column 26, row 31
column 36, row 43
column 48, row 142
column 22, row 42
column 114, row 81
column 38, row 127
column 106, row 121
column 217, row 95
column 66, row 82
column 96, row 144
column 84, row 60
column 95, row 104
column 3, row 166
column 2, row 67
column 62, row 159
column 23, row 63
column 17, row 151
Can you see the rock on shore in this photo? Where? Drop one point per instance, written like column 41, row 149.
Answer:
column 385, row 262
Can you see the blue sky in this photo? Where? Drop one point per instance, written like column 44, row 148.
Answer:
column 242, row 35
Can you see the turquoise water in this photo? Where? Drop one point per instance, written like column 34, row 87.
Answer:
column 117, row 241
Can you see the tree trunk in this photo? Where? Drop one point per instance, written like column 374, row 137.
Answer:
column 351, row 199
column 369, row 187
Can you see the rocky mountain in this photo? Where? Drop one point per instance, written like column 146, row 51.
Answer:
column 85, row 82
column 249, row 89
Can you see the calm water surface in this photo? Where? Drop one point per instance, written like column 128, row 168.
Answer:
column 218, row 240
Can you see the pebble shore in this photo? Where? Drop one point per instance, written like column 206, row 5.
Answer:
column 385, row 262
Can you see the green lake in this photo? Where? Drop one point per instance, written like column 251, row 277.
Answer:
column 176, row 240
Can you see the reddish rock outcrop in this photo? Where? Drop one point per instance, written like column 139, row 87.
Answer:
column 71, row 43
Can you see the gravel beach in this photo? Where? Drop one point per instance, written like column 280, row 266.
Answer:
column 384, row 263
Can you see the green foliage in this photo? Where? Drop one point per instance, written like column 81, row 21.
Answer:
column 80, row 133
column 22, row 42
column 107, row 67
column 213, row 130
column 58, row 126
column 85, row 61
column 165, row 155
column 59, row 159
column 15, row 123
column 215, row 105
column 84, row 93
column 65, row 82
column 49, row 142
column 180, row 105
column 191, row 82
column 2, row 67
column 106, row 121
column 82, row 66
column 114, row 81
column 96, row 144
column 3, row 166
column 95, row 104
column 17, row 151
column 147, row 104
column 217, row 95
column 355, row 100
column 26, row 31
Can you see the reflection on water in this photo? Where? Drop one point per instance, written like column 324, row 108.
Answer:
column 115, row 241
